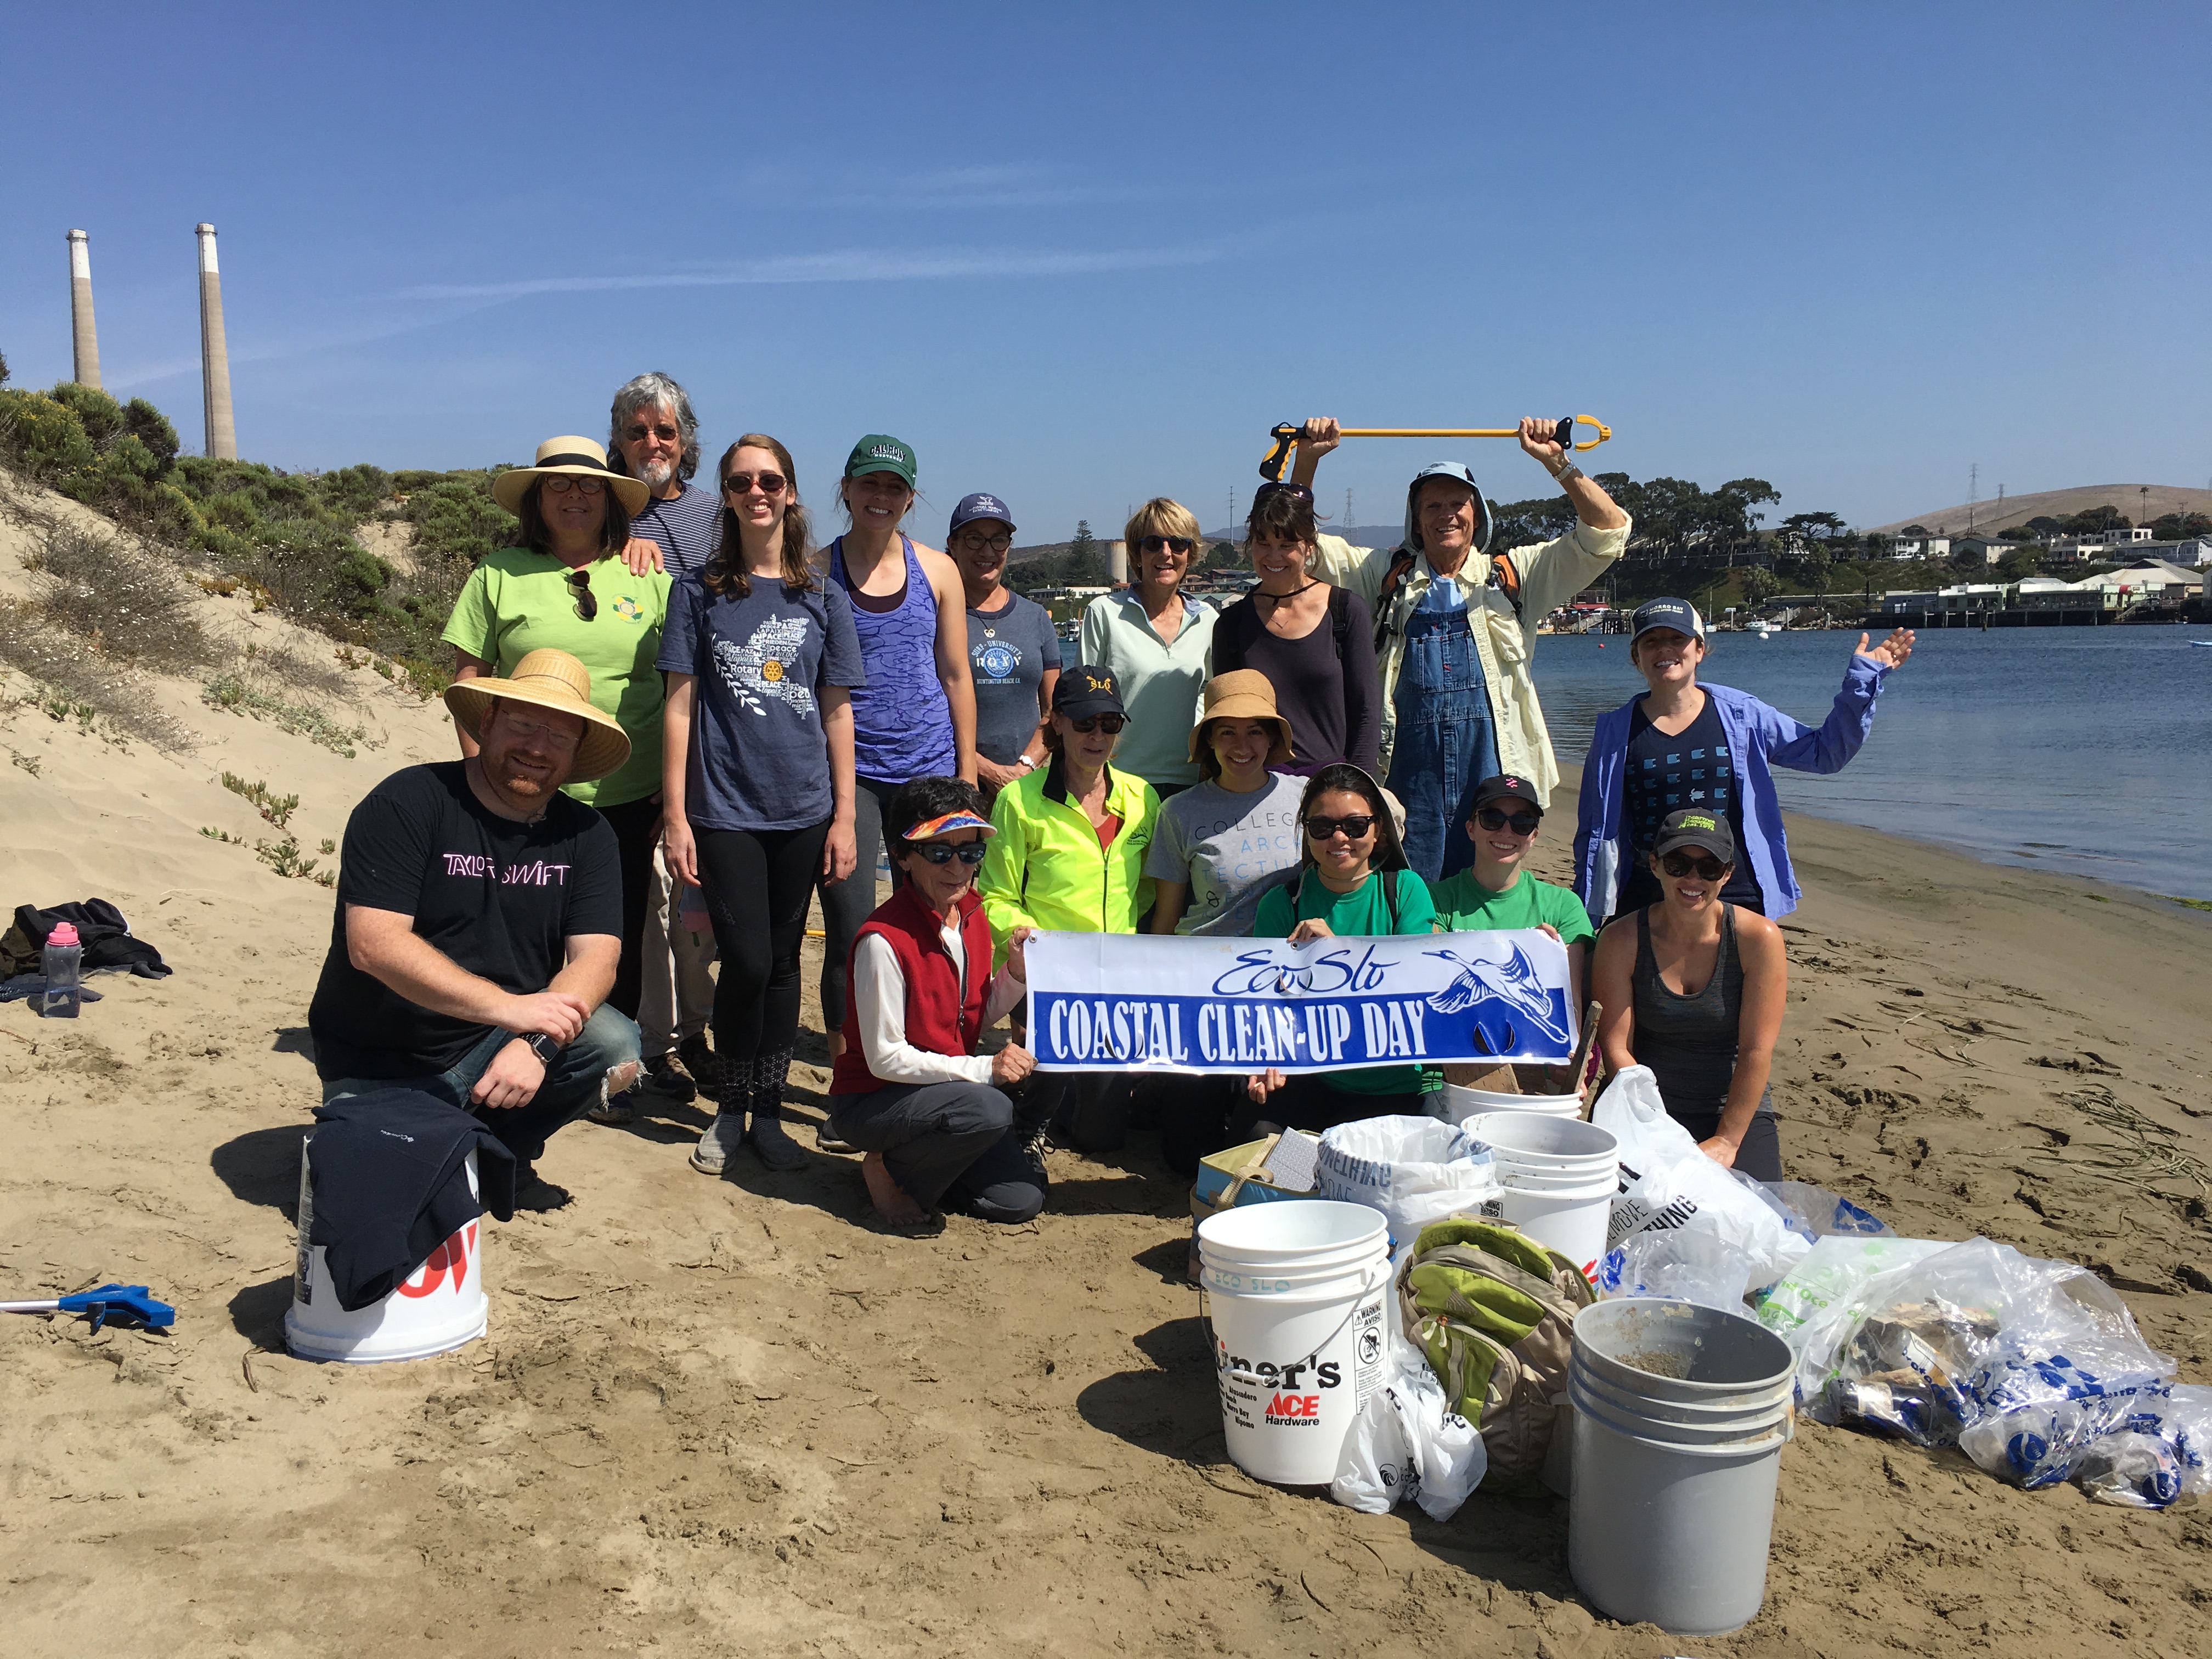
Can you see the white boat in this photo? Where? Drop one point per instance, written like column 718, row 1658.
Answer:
column 1762, row 628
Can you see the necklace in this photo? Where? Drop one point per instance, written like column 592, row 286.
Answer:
column 1261, row 593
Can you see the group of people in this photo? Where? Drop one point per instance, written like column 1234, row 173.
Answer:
column 682, row 722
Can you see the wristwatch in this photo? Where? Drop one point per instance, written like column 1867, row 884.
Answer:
column 1025, row 762
column 542, row 1046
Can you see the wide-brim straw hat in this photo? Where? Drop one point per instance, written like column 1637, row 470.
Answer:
column 571, row 454
column 547, row 679
column 1243, row 693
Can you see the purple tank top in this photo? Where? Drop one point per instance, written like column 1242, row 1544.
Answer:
column 901, row 724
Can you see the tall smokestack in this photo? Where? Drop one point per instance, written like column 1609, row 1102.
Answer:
column 214, row 355
column 1117, row 562
column 81, row 333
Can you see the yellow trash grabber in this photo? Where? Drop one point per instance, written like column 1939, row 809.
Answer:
column 1286, row 437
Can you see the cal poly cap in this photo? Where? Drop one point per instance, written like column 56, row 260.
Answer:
column 1082, row 691
column 1505, row 786
column 1678, row 614
column 880, row 453
column 979, row 506
column 1709, row 831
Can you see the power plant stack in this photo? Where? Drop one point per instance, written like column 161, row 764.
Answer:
column 214, row 355
column 81, row 333
column 1117, row 562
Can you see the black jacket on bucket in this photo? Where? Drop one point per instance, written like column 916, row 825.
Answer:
column 389, row 1172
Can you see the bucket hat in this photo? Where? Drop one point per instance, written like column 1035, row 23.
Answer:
column 1485, row 525
column 579, row 456
column 1243, row 693
column 546, row 678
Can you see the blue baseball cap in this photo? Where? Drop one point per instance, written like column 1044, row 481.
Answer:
column 1678, row 614
column 980, row 506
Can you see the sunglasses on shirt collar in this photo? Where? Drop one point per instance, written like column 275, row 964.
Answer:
column 580, row 584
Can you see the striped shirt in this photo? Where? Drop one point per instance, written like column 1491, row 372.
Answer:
column 684, row 526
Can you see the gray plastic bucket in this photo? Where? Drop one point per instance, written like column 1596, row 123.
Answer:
column 1681, row 1412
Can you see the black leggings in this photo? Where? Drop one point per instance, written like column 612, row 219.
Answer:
column 637, row 824
column 1760, row 1157
column 846, row 904
column 757, row 883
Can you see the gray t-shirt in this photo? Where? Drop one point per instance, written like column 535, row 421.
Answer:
column 1224, row 845
column 1008, row 653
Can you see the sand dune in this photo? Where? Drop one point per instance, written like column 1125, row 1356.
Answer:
column 714, row 1417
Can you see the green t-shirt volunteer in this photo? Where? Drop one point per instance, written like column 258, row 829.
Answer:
column 1364, row 912
column 1464, row 905
column 517, row 601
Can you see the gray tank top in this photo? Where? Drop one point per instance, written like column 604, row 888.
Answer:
column 1689, row 1041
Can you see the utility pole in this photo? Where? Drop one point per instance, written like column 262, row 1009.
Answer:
column 1973, row 493
column 1232, row 531
column 1348, row 519
column 83, row 338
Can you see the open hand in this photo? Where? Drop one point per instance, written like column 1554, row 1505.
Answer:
column 1892, row 651
column 840, row 850
column 643, row 555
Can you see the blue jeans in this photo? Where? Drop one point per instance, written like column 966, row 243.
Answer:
column 574, row 1083
column 1444, row 743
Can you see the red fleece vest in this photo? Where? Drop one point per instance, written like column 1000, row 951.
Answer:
column 939, row 1017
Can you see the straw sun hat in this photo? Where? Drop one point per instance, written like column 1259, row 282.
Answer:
column 546, row 678
column 579, row 456
column 1243, row 693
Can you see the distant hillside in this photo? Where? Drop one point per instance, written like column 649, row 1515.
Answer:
column 2133, row 503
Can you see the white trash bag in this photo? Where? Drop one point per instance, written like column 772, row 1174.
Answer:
column 1414, row 1169
column 1408, row 1442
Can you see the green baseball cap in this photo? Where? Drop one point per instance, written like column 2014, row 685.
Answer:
column 880, row 453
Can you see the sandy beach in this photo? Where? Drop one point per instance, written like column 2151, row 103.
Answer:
column 732, row 1416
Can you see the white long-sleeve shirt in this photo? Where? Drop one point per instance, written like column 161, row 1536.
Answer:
column 879, row 999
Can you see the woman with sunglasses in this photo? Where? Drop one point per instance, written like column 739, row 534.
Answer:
column 762, row 660
column 1695, row 991
column 1496, row 890
column 915, row 717
column 1315, row 643
column 1068, row 856
column 910, row 1090
column 1681, row 745
column 567, row 586
column 1352, row 881
column 1157, row 642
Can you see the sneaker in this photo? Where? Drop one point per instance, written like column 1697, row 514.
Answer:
column 615, row 1110
column 723, row 1138
column 696, row 1056
column 774, row 1143
column 669, row 1081
column 827, row 1141
column 532, row 1191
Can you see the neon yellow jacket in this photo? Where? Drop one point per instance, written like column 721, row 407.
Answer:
column 1045, row 868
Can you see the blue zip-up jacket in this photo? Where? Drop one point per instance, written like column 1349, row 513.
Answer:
column 1761, row 737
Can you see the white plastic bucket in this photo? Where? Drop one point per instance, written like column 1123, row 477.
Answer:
column 440, row 1306
column 1298, row 1294
column 1681, row 1412
column 1559, row 1177
column 1463, row 1104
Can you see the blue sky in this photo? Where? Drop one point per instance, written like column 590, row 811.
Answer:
column 1081, row 257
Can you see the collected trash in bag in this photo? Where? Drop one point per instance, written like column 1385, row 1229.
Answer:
column 1680, row 1266
column 1414, row 1169
column 2146, row 1449
column 1824, row 1299
column 1493, row 1313
column 1823, row 1214
column 1408, row 1443
column 1667, row 1182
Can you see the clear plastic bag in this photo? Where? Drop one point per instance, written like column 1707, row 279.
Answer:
column 1680, row 1265
column 1823, row 1214
column 1408, row 1442
column 1826, row 1297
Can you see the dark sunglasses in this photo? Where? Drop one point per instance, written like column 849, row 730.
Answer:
column 1681, row 864
column 937, row 851
column 1111, row 724
column 1523, row 823
column 587, row 603
column 1354, row 824
column 1154, row 543
column 740, row 483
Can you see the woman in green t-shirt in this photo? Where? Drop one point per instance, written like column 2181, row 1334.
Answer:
column 1353, row 882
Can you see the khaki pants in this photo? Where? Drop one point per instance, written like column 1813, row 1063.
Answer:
column 677, row 993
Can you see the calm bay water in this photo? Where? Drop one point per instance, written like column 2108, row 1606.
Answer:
column 2084, row 750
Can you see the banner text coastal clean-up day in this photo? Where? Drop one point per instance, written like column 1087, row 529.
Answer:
column 1134, row 1002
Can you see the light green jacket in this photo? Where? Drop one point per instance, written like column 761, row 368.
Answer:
column 1045, row 868
column 1552, row 572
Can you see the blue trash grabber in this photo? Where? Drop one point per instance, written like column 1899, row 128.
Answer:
column 128, row 1305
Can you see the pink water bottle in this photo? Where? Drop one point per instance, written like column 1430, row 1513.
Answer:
column 63, row 962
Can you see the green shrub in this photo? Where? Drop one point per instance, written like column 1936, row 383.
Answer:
column 42, row 436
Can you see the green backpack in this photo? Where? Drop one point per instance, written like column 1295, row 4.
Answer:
column 1494, row 1313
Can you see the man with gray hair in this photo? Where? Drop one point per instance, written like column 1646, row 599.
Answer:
column 654, row 436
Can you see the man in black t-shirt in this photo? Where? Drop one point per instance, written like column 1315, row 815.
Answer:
column 479, row 920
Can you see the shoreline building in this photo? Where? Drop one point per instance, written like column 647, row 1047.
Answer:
column 214, row 355
column 84, row 338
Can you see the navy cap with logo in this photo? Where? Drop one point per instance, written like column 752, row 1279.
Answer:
column 980, row 505
column 1082, row 691
column 1707, row 830
column 1678, row 614
column 1506, row 786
